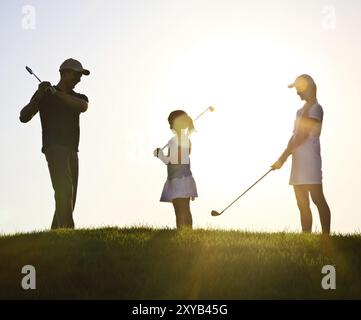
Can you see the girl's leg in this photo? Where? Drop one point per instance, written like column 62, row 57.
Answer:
column 182, row 212
column 319, row 200
column 188, row 214
column 303, row 203
column 178, row 212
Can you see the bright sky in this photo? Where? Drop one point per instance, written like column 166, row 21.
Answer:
column 150, row 57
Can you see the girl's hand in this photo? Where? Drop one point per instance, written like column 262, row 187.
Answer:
column 156, row 152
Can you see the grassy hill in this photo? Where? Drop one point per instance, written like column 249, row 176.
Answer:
column 143, row 263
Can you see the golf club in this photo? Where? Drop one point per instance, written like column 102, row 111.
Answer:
column 210, row 109
column 51, row 89
column 215, row 213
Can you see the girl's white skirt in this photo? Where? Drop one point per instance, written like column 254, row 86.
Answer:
column 307, row 163
column 184, row 187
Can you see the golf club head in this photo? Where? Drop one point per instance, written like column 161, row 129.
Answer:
column 215, row 213
column 29, row 70
column 211, row 109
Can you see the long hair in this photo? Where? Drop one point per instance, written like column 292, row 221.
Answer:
column 177, row 113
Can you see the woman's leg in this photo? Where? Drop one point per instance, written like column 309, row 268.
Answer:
column 182, row 212
column 319, row 200
column 303, row 203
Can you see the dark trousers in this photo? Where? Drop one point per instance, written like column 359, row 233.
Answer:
column 64, row 169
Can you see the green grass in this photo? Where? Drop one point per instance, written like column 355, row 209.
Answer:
column 144, row 263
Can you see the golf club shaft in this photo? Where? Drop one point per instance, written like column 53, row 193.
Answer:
column 51, row 89
column 247, row 190
column 36, row 77
column 193, row 120
column 201, row 114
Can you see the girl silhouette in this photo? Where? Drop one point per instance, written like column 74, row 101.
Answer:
column 180, row 186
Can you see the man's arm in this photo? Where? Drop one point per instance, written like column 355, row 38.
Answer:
column 72, row 102
column 32, row 108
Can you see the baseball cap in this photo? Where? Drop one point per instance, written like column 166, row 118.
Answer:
column 303, row 82
column 75, row 65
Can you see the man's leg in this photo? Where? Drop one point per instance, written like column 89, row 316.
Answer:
column 303, row 203
column 319, row 200
column 61, row 178
column 54, row 223
column 74, row 166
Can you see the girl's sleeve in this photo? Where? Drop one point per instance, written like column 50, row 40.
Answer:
column 165, row 158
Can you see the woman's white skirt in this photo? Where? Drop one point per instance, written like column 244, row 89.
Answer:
column 184, row 187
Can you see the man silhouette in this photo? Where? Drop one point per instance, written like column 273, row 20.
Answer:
column 59, row 109
column 304, row 145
